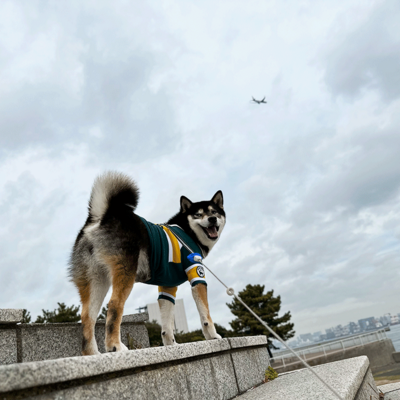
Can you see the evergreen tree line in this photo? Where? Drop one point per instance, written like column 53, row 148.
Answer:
column 265, row 305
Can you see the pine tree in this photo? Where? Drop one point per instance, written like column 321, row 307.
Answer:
column 61, row 314
column 225, row 333
column 103, row 314
column 154, row 330
column 192, row 336
column 26, row 317
column 267, row 307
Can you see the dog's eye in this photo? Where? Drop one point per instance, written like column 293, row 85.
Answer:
column 213, row 212
column 197, row 215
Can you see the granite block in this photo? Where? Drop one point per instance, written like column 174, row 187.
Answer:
column 395, row 395
column 50, row 341
column 25, row 375
column 137, row 331
column 9, row 315
column 368, row 389
column 211, row 378
column 345, row 376
column 389, row 387
column 250, row 366
column 8, row 346
column 140, row 386
column 139, row 317
column 59, row 340
column 247, row 341
column 391, row 391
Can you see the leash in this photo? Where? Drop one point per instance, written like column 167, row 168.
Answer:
column 196, row 257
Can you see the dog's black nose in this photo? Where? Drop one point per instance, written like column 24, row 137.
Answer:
column 212, row 220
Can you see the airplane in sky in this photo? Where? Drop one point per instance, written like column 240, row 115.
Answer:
column 259, row 101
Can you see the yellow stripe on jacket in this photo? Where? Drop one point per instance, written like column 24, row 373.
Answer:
column 176, row 250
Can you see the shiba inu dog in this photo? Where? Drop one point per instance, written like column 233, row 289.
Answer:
column 117, row 248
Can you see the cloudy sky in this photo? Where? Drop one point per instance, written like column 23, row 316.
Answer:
column 161, row 90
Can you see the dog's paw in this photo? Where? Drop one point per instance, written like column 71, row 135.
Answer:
column 209, row 331
column 91, row 353
column 116, row 347
column 216, row 336
column 168, row 338
column 123, row 347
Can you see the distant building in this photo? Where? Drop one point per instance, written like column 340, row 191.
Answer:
column 346, row 330
column 181, row 324
column 330, row 334
column 353, row 327
column 338, row 330
column 294, row 343
column 306, row 337
column 386, row 319
column 367, row 324
column 316, row 336
column 394, row 320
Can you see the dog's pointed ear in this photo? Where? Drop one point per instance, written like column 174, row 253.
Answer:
column 218, row 199
column 185, row 204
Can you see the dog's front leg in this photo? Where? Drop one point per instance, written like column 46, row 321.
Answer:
column 167, row 311
column 207, row 325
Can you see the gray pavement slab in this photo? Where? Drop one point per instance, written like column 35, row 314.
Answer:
column 391, row 391
column 346, row 377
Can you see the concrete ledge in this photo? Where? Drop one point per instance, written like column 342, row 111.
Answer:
column 10, row 316
column 351, row 378
column 246, row 341
column 192, row 370
column 391, row 391
column 396, row 356
column 139, row 317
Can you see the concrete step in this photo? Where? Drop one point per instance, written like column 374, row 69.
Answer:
column 391, row 391
column 214, row 369
column 351, row 378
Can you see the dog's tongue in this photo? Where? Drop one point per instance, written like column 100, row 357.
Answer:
column 212, row 231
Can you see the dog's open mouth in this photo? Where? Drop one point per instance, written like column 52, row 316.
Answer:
column 212, row 232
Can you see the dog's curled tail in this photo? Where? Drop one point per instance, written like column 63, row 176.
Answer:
column 112, row 190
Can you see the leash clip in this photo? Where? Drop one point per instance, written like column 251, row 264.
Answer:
column 195, row 257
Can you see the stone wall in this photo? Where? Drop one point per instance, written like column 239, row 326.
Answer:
column 8, row 335
column 37, row 342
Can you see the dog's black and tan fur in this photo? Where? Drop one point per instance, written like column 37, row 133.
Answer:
column 113, row 248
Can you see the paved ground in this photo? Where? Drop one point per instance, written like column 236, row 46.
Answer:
column 387, row 374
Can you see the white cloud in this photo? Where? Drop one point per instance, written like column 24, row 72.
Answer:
column 365, row 54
